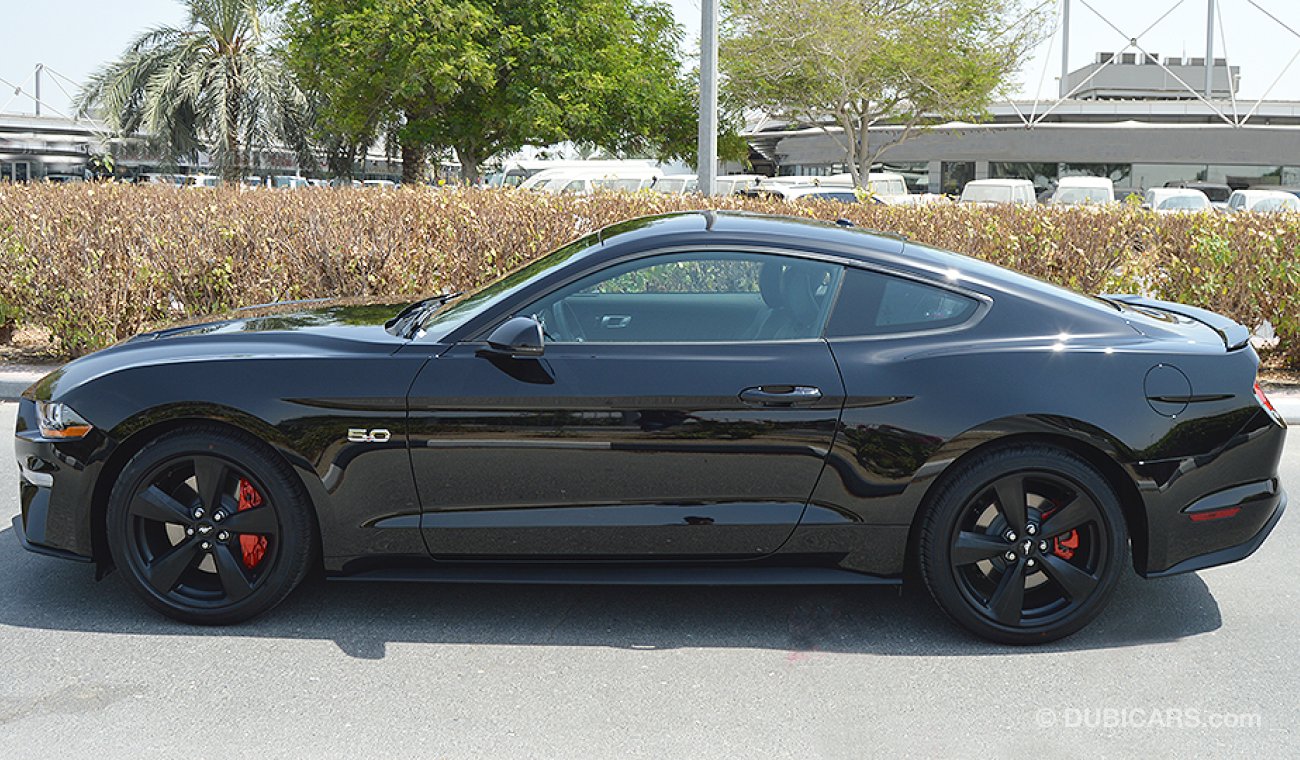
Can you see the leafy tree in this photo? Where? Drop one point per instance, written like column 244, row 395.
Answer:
column 487, row 77
column 848, row 65
column 215, row 84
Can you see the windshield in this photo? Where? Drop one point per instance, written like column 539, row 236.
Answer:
column 456, row 313
column 987, row 194
column 1178, row 202
column 1075, row 196
column 1276, row 203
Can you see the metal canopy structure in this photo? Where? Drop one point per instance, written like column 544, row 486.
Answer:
column 1133, row 45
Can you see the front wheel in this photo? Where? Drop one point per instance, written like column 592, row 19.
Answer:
column 210, row 526
column 1023, row 544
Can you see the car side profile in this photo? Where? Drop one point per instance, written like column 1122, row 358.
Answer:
column 702, row 397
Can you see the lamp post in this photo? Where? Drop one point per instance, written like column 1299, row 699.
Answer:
column 708, row 148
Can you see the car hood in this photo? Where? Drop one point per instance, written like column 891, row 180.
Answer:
column 327, row 328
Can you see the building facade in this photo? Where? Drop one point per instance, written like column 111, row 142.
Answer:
column 1133, row 120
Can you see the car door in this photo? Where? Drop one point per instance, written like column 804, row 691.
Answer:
column 683, row 408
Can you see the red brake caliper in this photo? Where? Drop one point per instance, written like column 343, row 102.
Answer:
column 253, row 546
column 1066, row 544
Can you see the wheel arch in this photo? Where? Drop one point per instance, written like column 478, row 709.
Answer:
column 1099, row 452
column 134, row 434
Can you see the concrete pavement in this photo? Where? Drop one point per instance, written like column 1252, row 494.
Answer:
column 1192, row 666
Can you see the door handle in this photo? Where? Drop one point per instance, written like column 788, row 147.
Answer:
column 781, row 395
column 615, row 321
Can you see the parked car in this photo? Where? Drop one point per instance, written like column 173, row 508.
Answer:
column 287, row 181
column 816, row 192
column 1217, row 193
column 696, row 397
column 677, row 184
column 155, row 178
column 63, row 179
column 890, row 188
column 734, row 184
column 1262, row 201
column 202, row 180
column 1083, row 191
column 999, row 191
column 1176, row 200
column 378, row 184
column 568, row 181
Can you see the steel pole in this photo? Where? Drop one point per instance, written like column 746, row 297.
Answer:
column 1065, row 46
column 708, row 148
column 39, row 66
column 1209, row 52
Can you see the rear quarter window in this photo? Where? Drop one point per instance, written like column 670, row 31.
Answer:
column 870, row 303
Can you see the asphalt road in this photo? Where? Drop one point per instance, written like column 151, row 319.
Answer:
column 1198, row 665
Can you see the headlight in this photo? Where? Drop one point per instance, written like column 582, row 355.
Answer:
column 60, row 421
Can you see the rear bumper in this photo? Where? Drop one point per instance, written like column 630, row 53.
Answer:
column 1229, row 554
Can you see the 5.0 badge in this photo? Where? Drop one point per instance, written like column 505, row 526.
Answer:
column 361, row 435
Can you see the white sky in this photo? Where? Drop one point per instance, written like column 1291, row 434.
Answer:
column 73, row 37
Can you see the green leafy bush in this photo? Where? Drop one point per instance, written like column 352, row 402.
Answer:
column 97, row 263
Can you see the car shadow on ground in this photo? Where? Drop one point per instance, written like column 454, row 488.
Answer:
column 362, row 618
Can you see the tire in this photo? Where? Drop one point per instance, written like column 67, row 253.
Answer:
column 210, row 526
column 1023, row 577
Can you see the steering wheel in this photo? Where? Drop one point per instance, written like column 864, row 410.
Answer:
column 567, row 323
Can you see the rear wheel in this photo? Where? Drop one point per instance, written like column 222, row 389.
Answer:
column 209, row 526
column 1023, row 544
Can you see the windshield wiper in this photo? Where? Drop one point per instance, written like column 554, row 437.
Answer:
column 403, row 325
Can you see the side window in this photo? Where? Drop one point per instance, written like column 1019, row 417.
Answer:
column 692, row 298
column 877, row 304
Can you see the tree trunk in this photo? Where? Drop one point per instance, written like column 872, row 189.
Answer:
column 468, row 164
column 414, row 163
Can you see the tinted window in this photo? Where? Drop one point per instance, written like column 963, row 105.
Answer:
column 877, row 304
column 692, row 298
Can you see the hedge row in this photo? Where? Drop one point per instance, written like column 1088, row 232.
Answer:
column 93, row 264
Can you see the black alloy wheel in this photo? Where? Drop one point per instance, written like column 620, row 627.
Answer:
column 1023, row 545
column 210, row 526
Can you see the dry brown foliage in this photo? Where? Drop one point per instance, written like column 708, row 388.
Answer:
column 97, row 263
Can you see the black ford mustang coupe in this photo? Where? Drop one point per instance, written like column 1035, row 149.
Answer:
column 701, row 397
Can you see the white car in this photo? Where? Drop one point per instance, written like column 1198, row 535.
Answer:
column 202, row 180
column 888, row 187
column 382, row 184
column 1083, row 191
column 1264, row 201
column 1176, row 200
column 1017, row 192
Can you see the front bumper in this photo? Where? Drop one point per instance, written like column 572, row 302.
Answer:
column 48, row 551
column 56, row 488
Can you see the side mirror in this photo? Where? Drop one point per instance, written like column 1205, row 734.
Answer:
column 517, row 338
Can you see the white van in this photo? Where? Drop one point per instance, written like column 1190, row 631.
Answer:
column 888, row 187
column 1083, row 191
column 588, row 181
column 1019, row 192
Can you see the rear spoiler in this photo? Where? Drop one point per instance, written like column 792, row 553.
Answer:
column 1234, row 335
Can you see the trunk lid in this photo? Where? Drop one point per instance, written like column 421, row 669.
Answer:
column 1152, row 317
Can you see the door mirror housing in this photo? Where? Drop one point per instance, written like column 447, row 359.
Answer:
column 517, row 338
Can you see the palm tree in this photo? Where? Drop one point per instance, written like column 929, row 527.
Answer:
column 218, row 84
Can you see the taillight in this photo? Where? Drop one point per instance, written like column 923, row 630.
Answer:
column 1268, row 405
